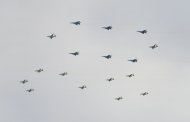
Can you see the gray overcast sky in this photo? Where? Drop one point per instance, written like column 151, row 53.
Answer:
column 164, row 72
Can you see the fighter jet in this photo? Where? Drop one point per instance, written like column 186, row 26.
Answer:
column 133, row 60
column 119, row 98
column 24, row 81
column 39, row 70
column 30, row 90
column 145, row 93
column 143, row 31
column 82, row 87
column 52, row 36
column 63, row 74
column 76, row 23
column 107, row 56
column 108, row 27
column 75, row 53
column 110, row 79
column 154, row 46
column 131, row 75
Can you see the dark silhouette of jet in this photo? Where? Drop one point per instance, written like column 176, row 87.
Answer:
column 108, row 27
column 133, row 60
column 143, row 31
column 154, row 46
column 131, row 75
column 63, row 74
column 119, row 98
column 76, row 23
column 75, row 53
column 52, row 36
column 145, row 93
column 30, row 90
column 107, row 56
column 24, row 81
column 110, row 79
column 82, row 87
column 39, row 70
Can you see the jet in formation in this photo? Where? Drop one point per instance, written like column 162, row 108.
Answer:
column 145, row 93
column 75, row 53
column 107, row 56
column 143, row 31
column 131, row 75
column 133, row 60
column 63, row 74
column 52, row 36
column 108, row 27
column 82, row 87
column 110, row 79
column 24, row 81
column 30, row 90
column 119, row 98
column 39, row 70
column 154, row 46
column 76, row 23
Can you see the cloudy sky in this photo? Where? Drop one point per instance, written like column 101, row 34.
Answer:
column 163, row 72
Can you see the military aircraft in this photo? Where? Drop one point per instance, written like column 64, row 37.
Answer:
column 143, row 31
column 145, row 93
column 107, row 56
column 39, row 70
column 76, row 23
column 24, row 81
column 30, row 90
column 82, row 87
column 133, row 60
column 75, row 53
column 108, row 27
column 154, row 46
column 63, row 74
column 119, row 98
column 52, row 36
column 131, row 75
column 110, row 79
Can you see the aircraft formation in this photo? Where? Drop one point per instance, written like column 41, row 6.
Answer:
column 109, row 56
